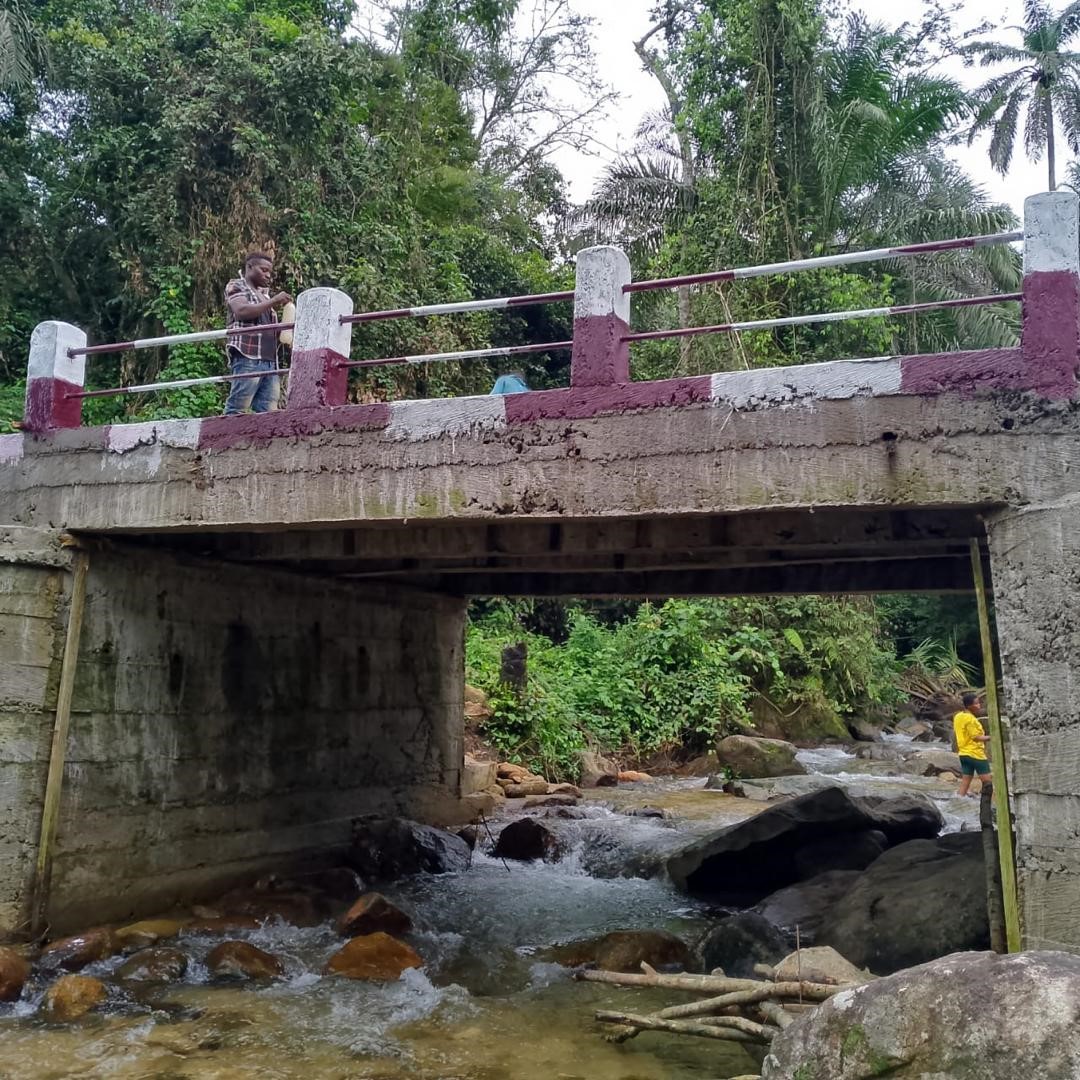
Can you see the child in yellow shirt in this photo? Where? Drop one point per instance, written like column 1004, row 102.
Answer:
column 971, row 742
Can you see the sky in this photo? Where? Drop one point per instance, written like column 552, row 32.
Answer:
column 618, row 23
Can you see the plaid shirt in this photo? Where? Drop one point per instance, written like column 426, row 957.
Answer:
column 254, row 345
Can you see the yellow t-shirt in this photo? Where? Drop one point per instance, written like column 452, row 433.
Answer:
column 967, row 726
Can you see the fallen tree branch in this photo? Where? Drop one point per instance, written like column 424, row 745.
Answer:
column 763, row 992
column 701, row 984
column 747, row 1031
column 775, row 1014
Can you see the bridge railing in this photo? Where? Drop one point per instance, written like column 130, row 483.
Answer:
column 600, row 347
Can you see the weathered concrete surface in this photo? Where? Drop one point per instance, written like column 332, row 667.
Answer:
column 32, row 588
column 226, row 721
column 863, row 451
column 1035, row 554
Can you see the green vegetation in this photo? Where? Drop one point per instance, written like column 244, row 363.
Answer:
column 673, row 678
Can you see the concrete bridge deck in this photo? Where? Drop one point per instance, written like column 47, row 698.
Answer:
column 272, row 640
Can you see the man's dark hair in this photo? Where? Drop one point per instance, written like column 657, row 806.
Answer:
column 258, row 256
column 969, row 699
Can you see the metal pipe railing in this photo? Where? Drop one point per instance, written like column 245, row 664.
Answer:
column 179, row 339
column 818, row 262
column 824, row 317
column 176, row 384
column 495, row 304
column 465, row 354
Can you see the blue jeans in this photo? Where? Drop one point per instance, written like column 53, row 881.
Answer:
column 258, row 395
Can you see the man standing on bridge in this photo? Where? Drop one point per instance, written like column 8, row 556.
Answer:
column 251, row 305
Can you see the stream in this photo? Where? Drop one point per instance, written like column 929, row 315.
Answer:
column 489, row 1004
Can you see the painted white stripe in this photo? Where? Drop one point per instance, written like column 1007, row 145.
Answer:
column 49, row 344
column 416, row 420
column 179, row 433
column 1052, row 232
column 601, row 274
column 11, row 448
column 179, row 339
column 464, row 305
column 835, row 380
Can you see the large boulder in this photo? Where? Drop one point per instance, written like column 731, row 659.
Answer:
column 477, row 775
column 745, row 862
column 527, row 839
column 802, row 906
column 848, row 851
column 14, row 971
column 863, row 730
column 737, row 943
column 597, row 771
column 904, row 816
column 804, row 722
column 819, row 965
column 385, row 849
column 968, row 1016
column 917, row 902
column 931, row 762
column 750, row 757
column 626, row 950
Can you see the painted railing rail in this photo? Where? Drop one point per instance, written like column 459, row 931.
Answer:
column 600, row 348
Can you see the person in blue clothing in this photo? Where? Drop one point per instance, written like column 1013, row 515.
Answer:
column 512, row 383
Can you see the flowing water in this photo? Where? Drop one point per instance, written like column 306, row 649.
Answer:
column 489, row 1005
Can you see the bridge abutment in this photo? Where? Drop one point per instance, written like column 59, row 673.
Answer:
column 226, row 721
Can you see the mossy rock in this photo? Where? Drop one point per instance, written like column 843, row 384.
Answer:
column 804, row 722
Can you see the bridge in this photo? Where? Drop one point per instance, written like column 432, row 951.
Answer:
column 225, row 638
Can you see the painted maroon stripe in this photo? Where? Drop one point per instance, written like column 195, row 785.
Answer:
column 51, row 404
column 1050, row 337
column 318, row 379
column 257, row 429
column 581, row 403
column 965, row 373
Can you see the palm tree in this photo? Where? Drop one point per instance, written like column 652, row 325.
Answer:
column 22, row 50
column 1046, row 79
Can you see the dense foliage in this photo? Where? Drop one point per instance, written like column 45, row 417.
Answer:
column 673, row 677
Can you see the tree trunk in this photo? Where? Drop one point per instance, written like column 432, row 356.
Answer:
column 1050, row 140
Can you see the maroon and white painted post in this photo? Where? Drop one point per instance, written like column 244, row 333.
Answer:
column 600, row 356
column 1051, row 327
column 321, row 343
column 52, row 375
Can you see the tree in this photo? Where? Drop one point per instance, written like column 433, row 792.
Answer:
column 22, row 48
column 1044, row 78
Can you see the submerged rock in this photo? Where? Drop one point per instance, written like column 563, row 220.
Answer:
column 141, row 935
column 154, row 965
column 931, row 762
column 751, row 758
column 919, row 901
column 538, row 802
column 75, row 952
column 527, row 839
column 14, row 971
column 297, row 908
column 72, row 996
column 373, row 957
column 384, row 849
column 221, row 924
column 242, row 960
column 626, row 950
column 737, row 943
column 968, row 1016
column 745, row 862
column 372, row 913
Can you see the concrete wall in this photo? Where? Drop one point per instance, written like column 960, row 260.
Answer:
column 226, row 721
column 1035, row 558
column 31, row 599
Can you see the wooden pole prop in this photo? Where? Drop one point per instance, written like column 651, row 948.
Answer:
column 54, row 783
column 1000, row 772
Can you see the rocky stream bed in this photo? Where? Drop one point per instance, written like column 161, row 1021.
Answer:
column 491, row 1001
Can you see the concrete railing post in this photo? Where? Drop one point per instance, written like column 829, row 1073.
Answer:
column 1051, row 324
column 320, row 343
column 52, row 375
column 601, row 318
